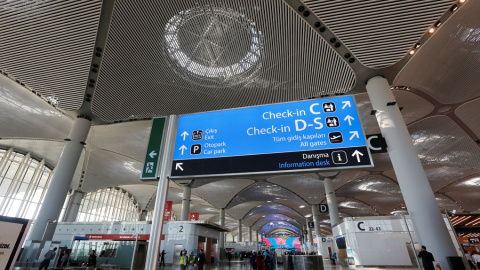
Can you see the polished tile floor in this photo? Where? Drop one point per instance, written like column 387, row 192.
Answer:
column 237, row 265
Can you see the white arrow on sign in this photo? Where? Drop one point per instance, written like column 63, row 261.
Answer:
column 184, row 135
column 357, row 154
column 349, row 119
column 179, row 166
column 183, row 148
column 354, row 134
column 347, row 104
column 152, row 154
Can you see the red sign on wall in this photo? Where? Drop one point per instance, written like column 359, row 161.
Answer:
column 117, row 237
column 193, row 216
column 168, row 211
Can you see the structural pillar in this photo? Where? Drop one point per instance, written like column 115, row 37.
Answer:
column 143, row 215
column 221, row 239
column 73, row 206
column 239, row 230
column 304, row 242
column 256, row 236
column 187, row 193
column 250, row 234
column 61, row 180
column 416, row 190
column 165, row 166
column 331, row 201
column 316, row 223
column 311, row 246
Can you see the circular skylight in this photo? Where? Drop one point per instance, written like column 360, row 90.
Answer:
column 213, row 44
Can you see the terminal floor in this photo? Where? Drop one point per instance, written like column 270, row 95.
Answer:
column 237, row 265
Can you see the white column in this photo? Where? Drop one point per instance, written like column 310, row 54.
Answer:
column 256, row 236
column 304, row 243
column 239, row 231
column 61, row 180
column 221, row 239
column 73, row 206
column 416, row 190
column 331, row 201
column 187, row 193
column 250, row 234
column 311, row 246
column 165, row 167
column 316, row 222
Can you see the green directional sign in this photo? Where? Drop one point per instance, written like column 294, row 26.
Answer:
column 153, row 150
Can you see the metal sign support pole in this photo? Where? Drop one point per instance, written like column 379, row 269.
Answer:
column 160, row 201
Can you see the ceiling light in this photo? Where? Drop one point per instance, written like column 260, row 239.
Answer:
column 411, row 52
column 301, row 206
column 309, row 215
column 431, row 30
column 461, row 1
column 269, row 201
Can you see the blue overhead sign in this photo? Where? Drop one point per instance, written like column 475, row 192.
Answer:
column 297, row 136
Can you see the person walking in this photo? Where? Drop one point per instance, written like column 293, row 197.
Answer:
column 47, row 258
column 259, row 260
column 64, row 259
column 191, row 261
column 201, row 259
column 162, row 257
column 229, row 257
column 476, row 259
column 333, row 258
column 427, row 258
column 91, row 262
column 253, row 261
column 183, row 260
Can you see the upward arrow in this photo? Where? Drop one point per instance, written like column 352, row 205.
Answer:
column 357, row 154
column 184, row 135
column 349, row 119
column 347, row 104
column 183, row 148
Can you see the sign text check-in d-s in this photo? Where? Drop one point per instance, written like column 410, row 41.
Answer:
column 297, row 136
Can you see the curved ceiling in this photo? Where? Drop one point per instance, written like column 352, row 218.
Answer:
column 141, row 76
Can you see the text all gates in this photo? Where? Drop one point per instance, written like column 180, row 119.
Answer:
column 297, row 136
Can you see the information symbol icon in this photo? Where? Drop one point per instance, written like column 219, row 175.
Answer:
column 339, row 157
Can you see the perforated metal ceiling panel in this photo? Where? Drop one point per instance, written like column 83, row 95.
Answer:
column 469, row 113
column 48, row 45
column 446, row 66
column 109, row 169
column 165, row 57
column 379, row 33
column 141, row 193
column 25, row 115
column 441, row 176
column 372, row 185
column 268, row 192
column 306, row 185
column 228, row 188
column 440, row 141
column 129, row 139
column 240, row 210
column 414, row 108
column 465, row 198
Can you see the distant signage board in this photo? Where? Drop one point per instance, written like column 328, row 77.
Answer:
column 309, row 135
column 12, row 235
column 152, row 156
column 323, row 208
column 193, row 216
column 168, row 211
column 118, row 237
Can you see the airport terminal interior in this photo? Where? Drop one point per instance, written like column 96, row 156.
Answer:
column 318, row 134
